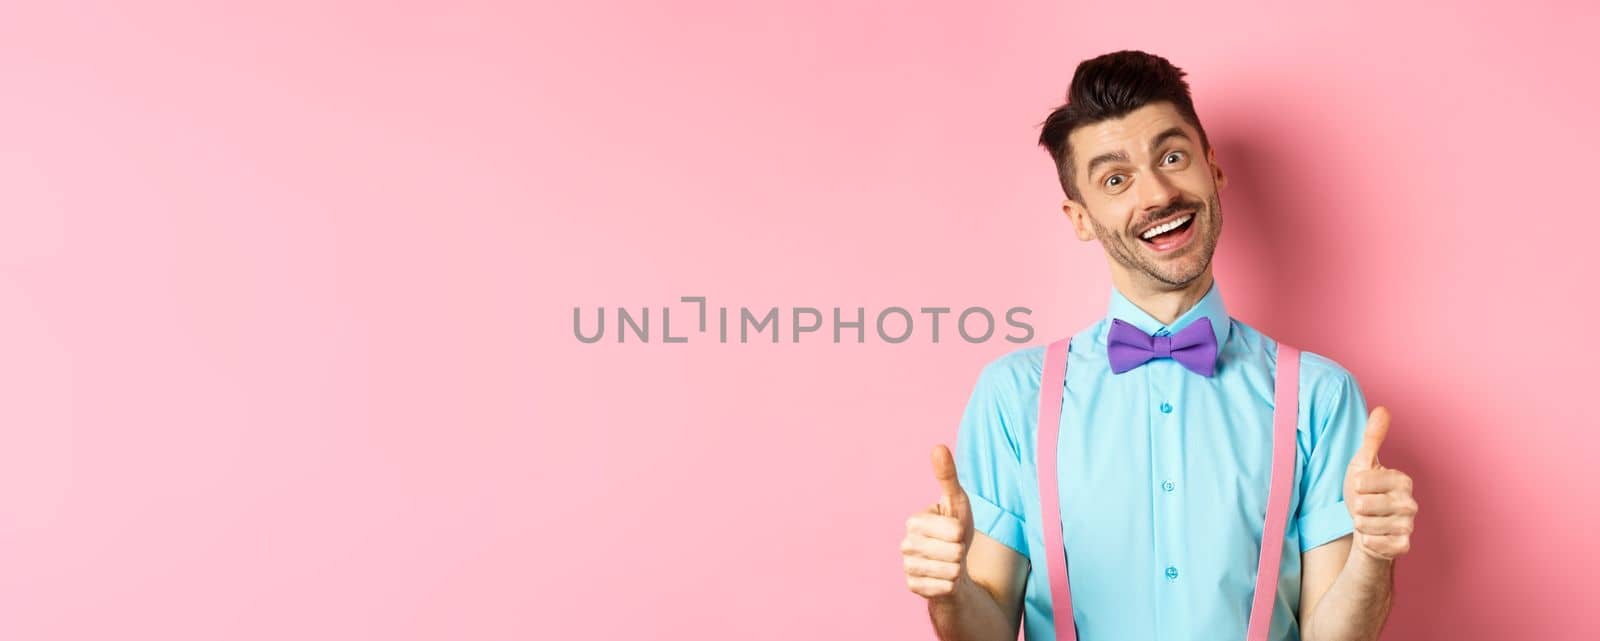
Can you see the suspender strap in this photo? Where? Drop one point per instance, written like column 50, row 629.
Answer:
column 1051, row 384
column 1285, row 406
column 1286, row 400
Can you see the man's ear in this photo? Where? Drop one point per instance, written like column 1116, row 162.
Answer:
column 1216, row 169
column 1079, row 216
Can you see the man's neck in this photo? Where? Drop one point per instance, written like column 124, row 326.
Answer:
column 1159, row 300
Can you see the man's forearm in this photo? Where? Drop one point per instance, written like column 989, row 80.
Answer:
column 1356, row 605
column 970, row 614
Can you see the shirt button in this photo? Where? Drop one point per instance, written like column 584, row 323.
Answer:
column 1168, row 486
column 1166, row 408
column 1172, row 573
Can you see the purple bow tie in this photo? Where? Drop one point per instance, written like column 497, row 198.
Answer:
column 1195, row 347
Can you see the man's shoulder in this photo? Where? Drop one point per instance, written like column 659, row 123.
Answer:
column 1014, row 371
column 1320, row 374
column 1325, row 384
column 1017, row 372
column 1315, row 367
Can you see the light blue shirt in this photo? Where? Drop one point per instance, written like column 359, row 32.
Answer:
column 1164, row 478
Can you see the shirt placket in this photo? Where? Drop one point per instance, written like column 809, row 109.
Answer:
column 1166, row 495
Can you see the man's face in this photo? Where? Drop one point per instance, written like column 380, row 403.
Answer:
column 1145, row 173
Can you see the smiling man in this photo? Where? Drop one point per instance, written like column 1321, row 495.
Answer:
column 1185, row 503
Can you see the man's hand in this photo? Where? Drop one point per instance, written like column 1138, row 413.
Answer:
column 937, row 538
column 1379, row 499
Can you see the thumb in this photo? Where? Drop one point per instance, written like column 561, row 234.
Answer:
column 1377, row 430
column 954, row 499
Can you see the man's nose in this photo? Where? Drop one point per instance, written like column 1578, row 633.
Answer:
column 1156, row 192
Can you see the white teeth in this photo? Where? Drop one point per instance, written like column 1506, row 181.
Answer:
column 1162, row 229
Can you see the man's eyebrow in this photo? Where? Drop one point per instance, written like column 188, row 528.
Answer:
column 1105, row 158
column 1174, row 132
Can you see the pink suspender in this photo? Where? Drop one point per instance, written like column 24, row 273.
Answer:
column 1285, row 402
column 1050, row 390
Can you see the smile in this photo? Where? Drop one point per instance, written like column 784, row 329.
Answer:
column 1170, row 235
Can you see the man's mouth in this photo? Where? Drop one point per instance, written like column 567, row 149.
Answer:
column 1171, row 233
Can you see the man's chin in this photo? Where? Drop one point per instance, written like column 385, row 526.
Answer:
column 1178, row 273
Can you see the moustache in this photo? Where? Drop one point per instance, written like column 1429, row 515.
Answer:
column 1167, row 212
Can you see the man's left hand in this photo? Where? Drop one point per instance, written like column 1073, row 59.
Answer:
column 1379, row 498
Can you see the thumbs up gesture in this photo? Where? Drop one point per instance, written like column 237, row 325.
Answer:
column 1379, row 498
column 937, row 538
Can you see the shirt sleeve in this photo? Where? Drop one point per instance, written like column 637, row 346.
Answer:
column 988, row 460
column 1337, row 419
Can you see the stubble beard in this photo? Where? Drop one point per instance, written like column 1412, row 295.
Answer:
column 1126, row 250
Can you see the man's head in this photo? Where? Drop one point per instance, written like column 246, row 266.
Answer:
column 1132, row 157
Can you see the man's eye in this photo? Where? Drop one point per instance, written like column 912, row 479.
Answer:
column 1173, row 157
column 1114, row 180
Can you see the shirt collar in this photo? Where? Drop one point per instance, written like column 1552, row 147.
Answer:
column 1210, row 306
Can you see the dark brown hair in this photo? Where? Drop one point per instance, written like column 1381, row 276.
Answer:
column 1111, row 86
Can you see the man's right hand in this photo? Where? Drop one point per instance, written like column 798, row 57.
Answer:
column 937, row 538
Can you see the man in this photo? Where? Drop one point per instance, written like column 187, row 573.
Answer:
column 1164, row 465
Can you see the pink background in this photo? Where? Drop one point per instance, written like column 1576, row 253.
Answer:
column 286, row 295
